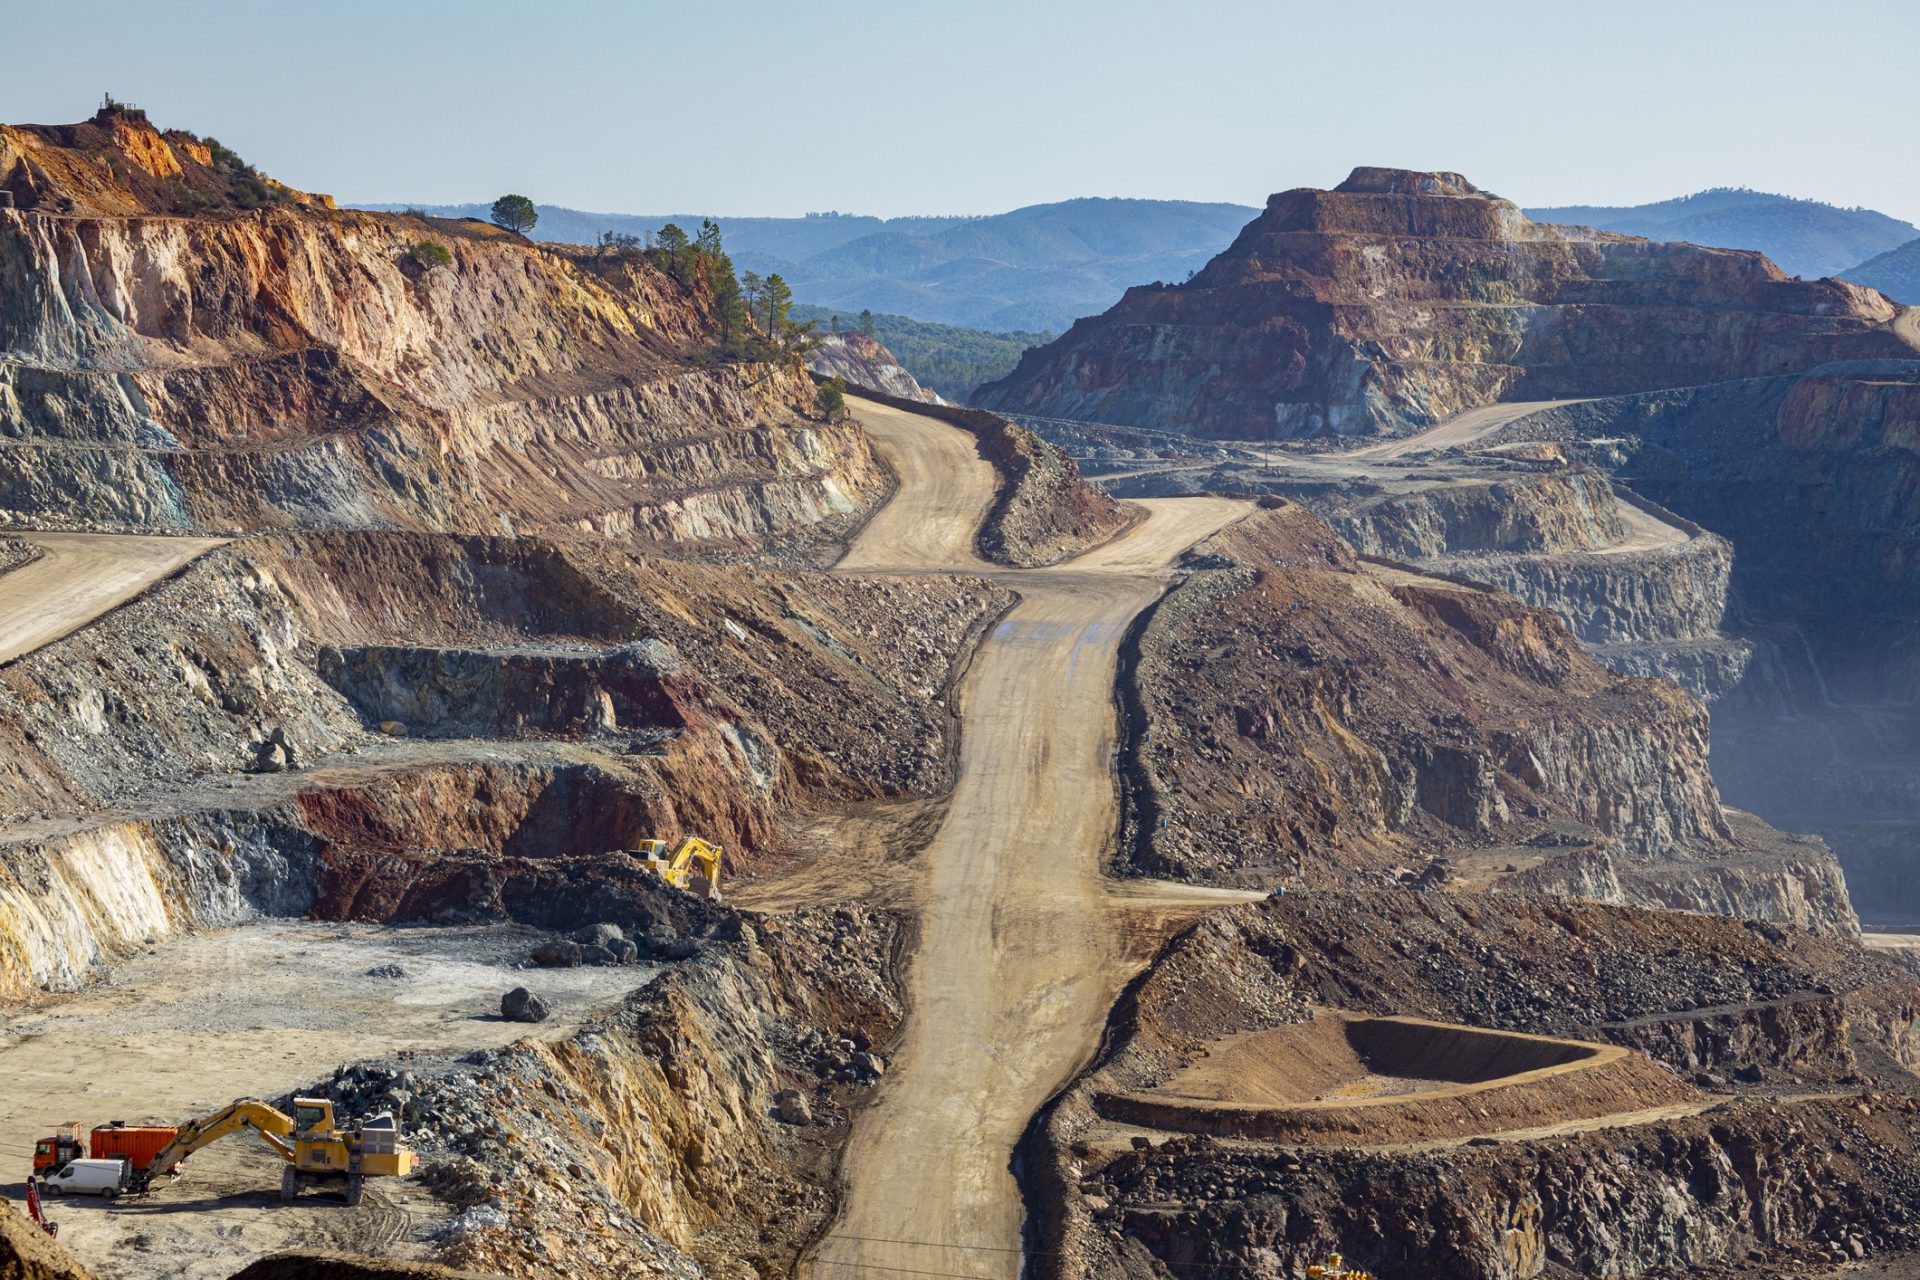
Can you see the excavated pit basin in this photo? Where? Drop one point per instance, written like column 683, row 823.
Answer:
column 1346, row 1078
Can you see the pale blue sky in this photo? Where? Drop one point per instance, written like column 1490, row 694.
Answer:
column 974, row 107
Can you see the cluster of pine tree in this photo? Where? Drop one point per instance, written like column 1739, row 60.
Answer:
column 755, row 314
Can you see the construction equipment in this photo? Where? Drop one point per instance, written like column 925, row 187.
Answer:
column 317, row 1151
column 695, row 866
column 55, row 1151
column 35, row 1213
column 1336, row 1268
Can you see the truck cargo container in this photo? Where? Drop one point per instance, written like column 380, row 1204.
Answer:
column 138, row 1144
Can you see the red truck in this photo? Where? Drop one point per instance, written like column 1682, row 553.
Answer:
column 137, row 1144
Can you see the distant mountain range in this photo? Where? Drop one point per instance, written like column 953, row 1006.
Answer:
column 1895, row 273
column 1037, row 268
column 1803, row 237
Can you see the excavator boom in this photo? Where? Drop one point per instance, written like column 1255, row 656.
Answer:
column 273, row 1128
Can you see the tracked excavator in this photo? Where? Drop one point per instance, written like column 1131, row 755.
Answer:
column 694, row 866
column 317, row 1151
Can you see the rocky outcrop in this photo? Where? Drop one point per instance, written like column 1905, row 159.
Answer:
column 1524, row 512
column 1308, row 718
column 298, row 367
column 649, row 1144
column 565, row 703
column 861, row 361
column 1399, row 299
column 1812, row 480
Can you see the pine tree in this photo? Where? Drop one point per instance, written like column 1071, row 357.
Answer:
column 515, row 213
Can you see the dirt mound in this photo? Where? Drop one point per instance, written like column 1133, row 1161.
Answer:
column 27, row 1253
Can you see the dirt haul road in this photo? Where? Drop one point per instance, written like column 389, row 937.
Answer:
column 1462, row 428
column 80, row 576
column 1021, row 951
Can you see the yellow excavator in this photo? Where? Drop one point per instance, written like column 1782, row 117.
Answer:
column 694, row 866
column 317, row 1151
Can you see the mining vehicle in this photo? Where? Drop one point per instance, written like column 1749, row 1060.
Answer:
column 695, row 866
column 55, row 1150
column 1336, row 1268
column 317, row 1151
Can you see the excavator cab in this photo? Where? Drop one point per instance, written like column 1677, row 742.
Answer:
column 312, row 1114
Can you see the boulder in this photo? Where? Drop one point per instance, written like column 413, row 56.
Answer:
column 599, row 935
column 790, row 1106
column 557, row 955
column 521, row 1005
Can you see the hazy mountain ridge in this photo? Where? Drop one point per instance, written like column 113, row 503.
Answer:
column 1038, row 267
column 1803, row 237
column 1895, row 273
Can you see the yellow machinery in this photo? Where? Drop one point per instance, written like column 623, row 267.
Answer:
column 317, row 1151
column 695, row 866
column 1336, row 1268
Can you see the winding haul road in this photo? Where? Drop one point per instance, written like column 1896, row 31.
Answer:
column 80, row 576
column 1021, row 949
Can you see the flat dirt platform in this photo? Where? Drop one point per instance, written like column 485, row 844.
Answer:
column 200, row 1020
column 1349, row 1078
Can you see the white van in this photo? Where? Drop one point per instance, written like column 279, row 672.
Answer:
column 87, row 1178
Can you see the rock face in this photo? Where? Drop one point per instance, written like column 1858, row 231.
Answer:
column 1399, row 299
column 649, row 1144
column 1310, row 719
column 295, row 366
column 111, row 722
column 1812, row 479
column 863, row 362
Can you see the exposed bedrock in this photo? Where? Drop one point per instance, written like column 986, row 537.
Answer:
column 1814, row 481
column 650, row 1143
column 863, row 362
column 1644, row 589
column 549, row 703
column 1311, row 719
column 1399, row 299
column 1647, row 594
column 1433, row 516
column 289, row 368
column 1791, row 1151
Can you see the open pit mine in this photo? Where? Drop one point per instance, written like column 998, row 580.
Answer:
column 500, row 778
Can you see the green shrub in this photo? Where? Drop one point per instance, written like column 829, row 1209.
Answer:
column 429, row 254
column 832, row 396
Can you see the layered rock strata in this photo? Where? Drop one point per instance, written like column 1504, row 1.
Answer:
column 1399, row 299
